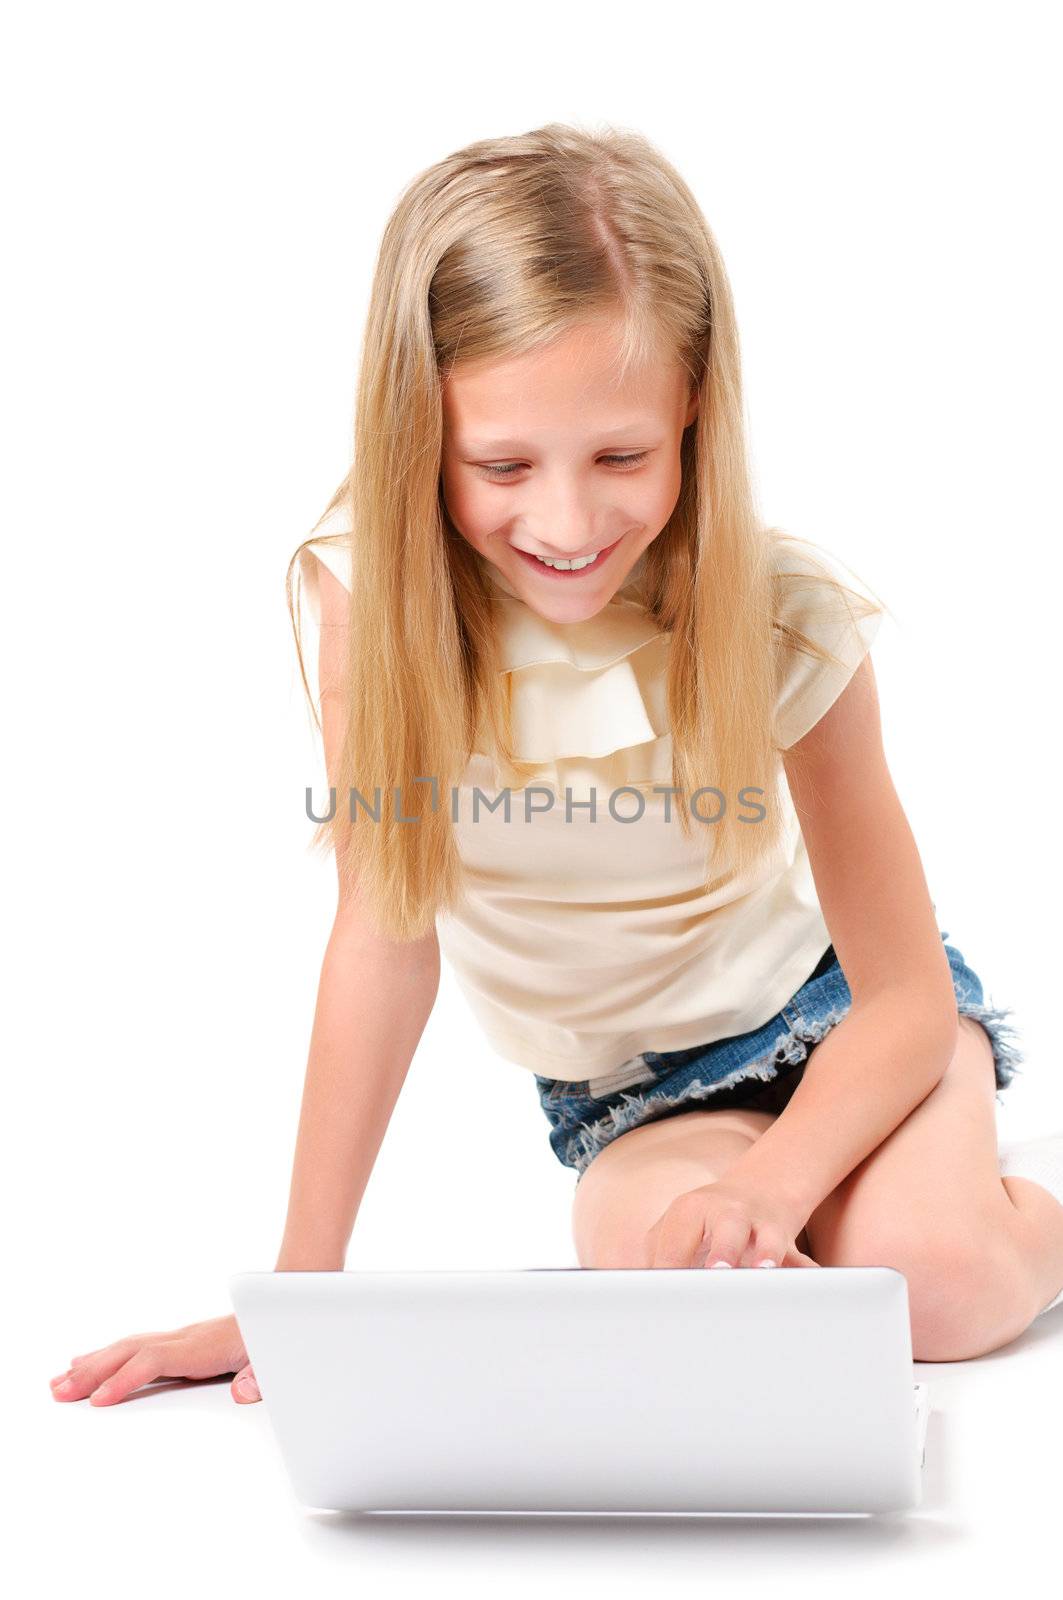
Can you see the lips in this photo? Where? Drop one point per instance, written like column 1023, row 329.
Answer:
column 568, row 574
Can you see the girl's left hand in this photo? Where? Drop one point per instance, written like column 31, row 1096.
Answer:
column 724, row 1222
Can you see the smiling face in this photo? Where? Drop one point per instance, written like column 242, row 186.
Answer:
column 546, row 455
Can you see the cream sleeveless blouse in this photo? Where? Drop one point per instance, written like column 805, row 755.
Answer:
column 588, row 939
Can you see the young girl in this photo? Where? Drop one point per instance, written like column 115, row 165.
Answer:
column 614, row 745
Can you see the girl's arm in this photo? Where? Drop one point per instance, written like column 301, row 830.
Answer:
column 895, row 1044
column 373, row 1001
column 374, row 998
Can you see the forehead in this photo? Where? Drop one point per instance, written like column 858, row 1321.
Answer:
column 568, row 388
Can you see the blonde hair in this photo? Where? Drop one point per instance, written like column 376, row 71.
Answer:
column 499, row 249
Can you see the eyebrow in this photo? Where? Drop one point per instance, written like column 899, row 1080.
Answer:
column 485, row 446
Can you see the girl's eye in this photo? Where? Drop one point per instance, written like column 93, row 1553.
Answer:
column 622, row 462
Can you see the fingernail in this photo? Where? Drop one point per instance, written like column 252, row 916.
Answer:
column 767, row 1263
column 67, row 1383
column 716, row 1264
column 248, row 1388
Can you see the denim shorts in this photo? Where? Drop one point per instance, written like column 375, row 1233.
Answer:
column 759, row 1070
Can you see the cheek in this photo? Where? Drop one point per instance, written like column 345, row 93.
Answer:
column 661, row 495
column 474, row 519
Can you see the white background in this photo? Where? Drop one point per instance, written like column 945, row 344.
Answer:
column 194, row 196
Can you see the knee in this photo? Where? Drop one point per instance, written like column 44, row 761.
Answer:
column 965, row 1297
column 629, row 1183
column 612, row 1249
column 607, row 1222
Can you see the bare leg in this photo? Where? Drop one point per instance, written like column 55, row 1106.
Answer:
column 1038, row 1232
column 991, row 1257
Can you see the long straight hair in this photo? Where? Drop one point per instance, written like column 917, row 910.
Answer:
column 495, row 251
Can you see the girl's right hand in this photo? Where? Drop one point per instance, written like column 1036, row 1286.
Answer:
column 201, row 1350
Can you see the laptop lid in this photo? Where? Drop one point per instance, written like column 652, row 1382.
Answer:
column 570, row 1389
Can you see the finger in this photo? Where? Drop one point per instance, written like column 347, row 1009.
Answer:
column 765, row 1248
column 727, row 1238
column 245, row 1389
column 81, row 1380
column 79, row 1361
column 131, row 1341
column 121, row 1349
column 675, row 1238
column 153, row 1361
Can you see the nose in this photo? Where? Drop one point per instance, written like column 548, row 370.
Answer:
column 568, row 531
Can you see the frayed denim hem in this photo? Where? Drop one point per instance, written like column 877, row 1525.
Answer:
column 790, row 1048
column 1002, row 1037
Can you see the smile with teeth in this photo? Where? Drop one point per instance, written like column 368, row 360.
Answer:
column 573, row 565
column 569, row 566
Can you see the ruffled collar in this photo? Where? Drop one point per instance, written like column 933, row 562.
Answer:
column 588, row 700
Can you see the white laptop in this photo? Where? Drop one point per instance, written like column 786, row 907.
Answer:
column 570, row 1389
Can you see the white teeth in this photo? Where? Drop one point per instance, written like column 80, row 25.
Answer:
column 570, row 566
